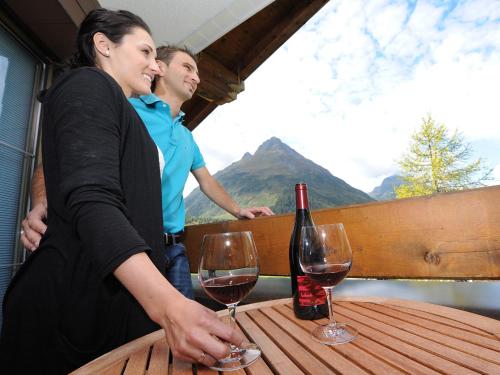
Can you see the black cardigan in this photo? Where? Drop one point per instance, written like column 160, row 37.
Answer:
column 64, row 307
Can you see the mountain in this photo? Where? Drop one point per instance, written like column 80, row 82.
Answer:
column 268, row 178
column 385, row 191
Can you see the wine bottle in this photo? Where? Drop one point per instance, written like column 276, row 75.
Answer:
column 309, row 298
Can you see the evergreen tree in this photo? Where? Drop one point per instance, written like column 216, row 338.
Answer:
column 438, row 163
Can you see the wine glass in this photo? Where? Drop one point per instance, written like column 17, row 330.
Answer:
column 228, row 271
column 325, row 257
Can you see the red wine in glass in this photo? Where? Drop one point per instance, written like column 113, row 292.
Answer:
column 230, row 289
column 328, row 275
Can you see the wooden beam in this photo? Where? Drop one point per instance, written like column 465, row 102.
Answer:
column 218, row 86
column 280, row 33
column 446, row 236
column 196, row 110
column 88, row 5
column 218, row 83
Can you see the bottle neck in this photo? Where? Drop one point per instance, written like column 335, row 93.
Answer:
column 301, row 200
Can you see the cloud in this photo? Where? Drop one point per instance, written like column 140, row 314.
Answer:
column 349, row 89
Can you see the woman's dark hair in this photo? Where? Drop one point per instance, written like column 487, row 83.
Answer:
column 114, row 24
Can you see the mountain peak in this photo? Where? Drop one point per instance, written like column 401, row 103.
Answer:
column 246, row 156
column 267, row 178
column 386, row 190
column 272, row 143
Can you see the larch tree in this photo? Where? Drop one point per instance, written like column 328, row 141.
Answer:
column 437, row 162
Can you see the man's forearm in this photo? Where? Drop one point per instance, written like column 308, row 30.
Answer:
column 220, row 197
column 215, row 192
column 38, row 192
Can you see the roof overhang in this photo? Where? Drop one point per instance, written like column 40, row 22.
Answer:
column 192, row 23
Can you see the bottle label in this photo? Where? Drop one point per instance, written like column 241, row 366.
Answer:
column 309, row 292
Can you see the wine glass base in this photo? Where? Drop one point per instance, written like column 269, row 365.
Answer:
column 340, row 334
column 239, row 358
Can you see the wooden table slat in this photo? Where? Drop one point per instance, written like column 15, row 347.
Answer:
column 202, row 370
column 259, row 367
column 180, row 368
column 480, row 340
column 394, row 328
column 234, row 372
column 282, row 315
column 463, row 352
column 115, row 369
column 353, row 353
column 272, row 354
column 478, row 321
column 394, row 358
column 297, row 353
column 158, row 363
column 119, row 354
column 381, row 352
column 137, row 362
column 441, row 320
column 387, row 336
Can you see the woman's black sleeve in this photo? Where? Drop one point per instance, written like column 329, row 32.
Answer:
column 85, row 117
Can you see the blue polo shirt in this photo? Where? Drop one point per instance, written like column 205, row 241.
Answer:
column 180, row 155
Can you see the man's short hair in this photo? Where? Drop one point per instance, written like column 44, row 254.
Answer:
column 166, row 53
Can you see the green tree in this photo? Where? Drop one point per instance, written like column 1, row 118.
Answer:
column 437, row 162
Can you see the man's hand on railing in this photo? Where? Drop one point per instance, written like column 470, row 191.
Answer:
column 252, row 212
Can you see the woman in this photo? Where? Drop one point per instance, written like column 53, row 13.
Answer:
column 94, row 283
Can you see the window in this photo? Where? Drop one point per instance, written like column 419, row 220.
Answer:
column 20, row 79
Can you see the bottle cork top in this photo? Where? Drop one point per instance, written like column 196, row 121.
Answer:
column 301, row 186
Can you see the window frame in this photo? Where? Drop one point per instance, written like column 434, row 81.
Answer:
column 31, row 152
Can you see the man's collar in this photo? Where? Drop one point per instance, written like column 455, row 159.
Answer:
column 152, row 99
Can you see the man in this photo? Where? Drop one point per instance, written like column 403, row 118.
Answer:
column 179, row 155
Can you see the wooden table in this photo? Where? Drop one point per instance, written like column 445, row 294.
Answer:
column 396, row 337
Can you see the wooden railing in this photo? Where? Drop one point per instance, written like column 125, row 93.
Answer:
column 445, row 236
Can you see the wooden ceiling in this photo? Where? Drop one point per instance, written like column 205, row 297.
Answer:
column 223, row 66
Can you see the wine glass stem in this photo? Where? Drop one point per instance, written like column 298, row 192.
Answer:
column 232, row 314
column 329, row 299
column 232, row 323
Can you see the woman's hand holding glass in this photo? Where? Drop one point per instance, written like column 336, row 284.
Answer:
column 194, row 333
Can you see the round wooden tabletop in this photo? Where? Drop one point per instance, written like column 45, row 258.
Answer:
column 395, row 337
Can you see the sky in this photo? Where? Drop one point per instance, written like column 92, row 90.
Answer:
column 349, row 89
